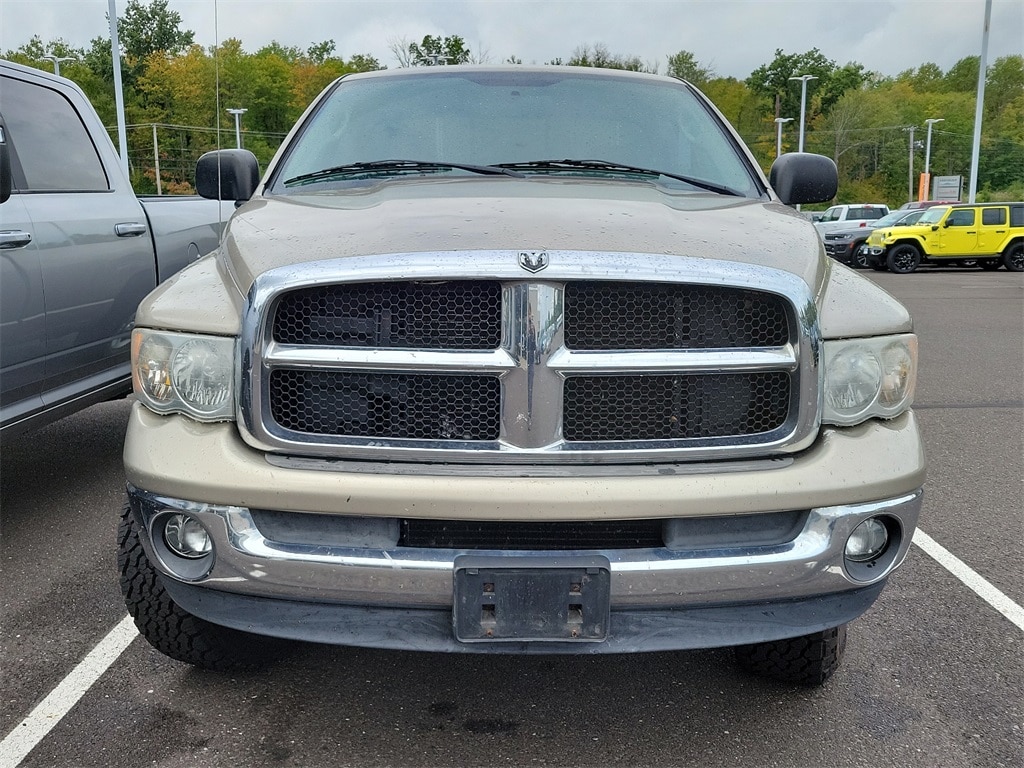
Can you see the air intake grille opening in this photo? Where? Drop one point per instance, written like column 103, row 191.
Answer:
column 444, row 315
column 400, row 406
column 548, row 536
column 669, row 407
column 618, row 315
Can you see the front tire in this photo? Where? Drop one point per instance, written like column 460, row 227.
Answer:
column 807, row 660
column 1013, row 257
column 168, row 627
column 903, row 259
column 859, row 260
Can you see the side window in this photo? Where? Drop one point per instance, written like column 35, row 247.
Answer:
column 961, row 218
column 1017, row 215
column 993, row 216
column 832, row 214
column 874, row 213
column 51, row 144
column 857, row 213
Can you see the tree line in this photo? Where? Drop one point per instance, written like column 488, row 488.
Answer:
column 177, row 96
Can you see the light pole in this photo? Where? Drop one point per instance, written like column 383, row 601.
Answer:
column 778, row 134
column 803, row 103
column 57, row 60
column 928, row 153
column 910, row 165
column 238, row 131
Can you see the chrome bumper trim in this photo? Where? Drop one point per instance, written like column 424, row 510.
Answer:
column 811, row 564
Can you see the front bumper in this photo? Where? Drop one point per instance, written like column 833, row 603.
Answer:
column 364, row 592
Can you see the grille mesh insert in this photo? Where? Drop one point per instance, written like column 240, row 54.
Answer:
column 398, row 406
column 446, row 315
column 670, row 407
column 617, row 315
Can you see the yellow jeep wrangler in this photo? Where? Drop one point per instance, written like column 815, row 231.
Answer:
column 985, row 234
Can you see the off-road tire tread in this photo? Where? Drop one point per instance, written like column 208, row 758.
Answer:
column 890, row 262
column 807, row 660
column 1011, row 257
column 169, row 628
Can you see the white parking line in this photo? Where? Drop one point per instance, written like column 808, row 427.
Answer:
column 23, row 739
column 970, row 577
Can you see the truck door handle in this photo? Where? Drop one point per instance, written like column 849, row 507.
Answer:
column 130, row 229
column 14, row 238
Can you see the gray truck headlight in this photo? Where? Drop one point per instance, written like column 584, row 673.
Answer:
column 868, row 378
column 184, row 373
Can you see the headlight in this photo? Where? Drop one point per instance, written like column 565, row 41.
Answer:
column 867, row 378
column 184, row 373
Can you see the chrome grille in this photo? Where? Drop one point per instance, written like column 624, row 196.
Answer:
column 383, row 358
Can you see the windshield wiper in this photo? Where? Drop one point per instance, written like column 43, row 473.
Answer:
column 604, row 165
column 397, row 167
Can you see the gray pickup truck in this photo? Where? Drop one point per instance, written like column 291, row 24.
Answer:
column 78, row 251
column 518, row 360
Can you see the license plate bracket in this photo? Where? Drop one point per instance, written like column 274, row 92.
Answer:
column 517, row 599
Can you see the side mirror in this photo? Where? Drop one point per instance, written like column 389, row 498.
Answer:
column 802, row 177
column 5, row 166
column 227, row 174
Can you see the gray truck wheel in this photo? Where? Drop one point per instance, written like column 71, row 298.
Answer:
column 806, row 660
column 172, row 630
column 903, row 259
column 1013, row 257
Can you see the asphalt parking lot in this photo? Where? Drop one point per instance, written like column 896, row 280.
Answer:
column 933, row 674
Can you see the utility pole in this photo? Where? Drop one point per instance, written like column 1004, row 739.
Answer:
column 924, row 192
column 803, row 103
column 803, row 108
column 979, row 104
column 238, row 131
column 156, row 161
column 910, row 165
column 778, row 134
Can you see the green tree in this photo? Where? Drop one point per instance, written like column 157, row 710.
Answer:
column 772, row 82
column 435, row 50
column 685, row 66
column 598, row 55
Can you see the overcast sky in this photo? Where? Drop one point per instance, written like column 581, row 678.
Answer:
column 732, row 37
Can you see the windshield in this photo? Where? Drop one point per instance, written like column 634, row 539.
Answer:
column 458, row 122
column 933, row 215
column 889, row 219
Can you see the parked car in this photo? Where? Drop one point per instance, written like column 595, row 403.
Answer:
column 920, row 204
column 845, row 216
column 78, row 251
column 526, row 389
column 988, row 235
column 845, row 245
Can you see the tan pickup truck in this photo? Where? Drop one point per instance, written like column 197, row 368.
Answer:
column 518, row 360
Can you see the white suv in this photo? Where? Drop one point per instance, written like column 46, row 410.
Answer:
column 847, row 216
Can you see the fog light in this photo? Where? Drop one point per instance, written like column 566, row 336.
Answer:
column 868, row 541
column 186, row 537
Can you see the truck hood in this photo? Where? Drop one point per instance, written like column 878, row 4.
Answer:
column 517, row 214
column 445, row 217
